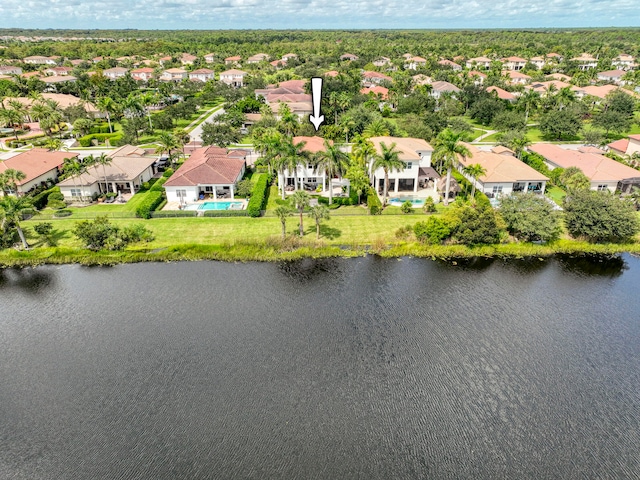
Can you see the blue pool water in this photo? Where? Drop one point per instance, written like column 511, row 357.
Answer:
column 415, row 201
column 220, row 206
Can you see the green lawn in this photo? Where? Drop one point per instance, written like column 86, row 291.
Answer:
column 556, row 194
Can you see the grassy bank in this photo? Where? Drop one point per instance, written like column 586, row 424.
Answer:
column 247, row 239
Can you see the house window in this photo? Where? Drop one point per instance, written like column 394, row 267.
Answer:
column 497, row 189
column 409, row 165
column 603, row 188
column 75, row 192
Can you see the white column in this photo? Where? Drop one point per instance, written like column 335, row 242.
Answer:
column 113, row 187
column 215, row 193
column 526, row 187
column 395, row 185
column 231, row 192
column 415, row 185
column 131, row 188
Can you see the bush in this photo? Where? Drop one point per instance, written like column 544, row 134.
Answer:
column 244, row 187
column 152, row 201
column 429, row 205
column 167, row 173
column 56, row 204
column 406, row 207
column 40, row 200
column 373, row 202
column 477, row 226
column 62, row 213
column 100, row 137
column 258, row 196
column 433, row 231
column 599, row 216
column 404, row 232
column 530, row 217
column 101, row 234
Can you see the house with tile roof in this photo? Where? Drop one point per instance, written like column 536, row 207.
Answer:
column 624, row 62
column 585, row 61
column 142, row 74
column 613, row 76
column 504, row 173
column 210, row 58
column 39, row 165
column 516, row 77
column 370, row 78
column 115, row 73
column 603, row 173
column 233, row 77
column 174, row 75
column 416, row 153
column 258, row 57
column 479, row 62
column 626, row 146
column 514, row 63
column 348, row 56
column 232, row 60
column 201, row 75
column 40, row 60
column 211, row 172
column 414, row 63
column 306, row 176
column 10, row 70
column 502, row 94
column 130, row 167
column 448, row 63
column 439, row 88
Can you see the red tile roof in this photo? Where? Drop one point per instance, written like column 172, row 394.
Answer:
column 209, row 166
column 312, row 144
column 35, row 162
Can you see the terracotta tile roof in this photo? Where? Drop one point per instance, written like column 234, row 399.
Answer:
column 444, row 87
column 612, row 73
column 312, row 144
column 635, row 137
column 408, row 147
column 233, row 71
column 595, row 167
column 209, row 166
column 619, row 145
column 603, row 91
column 331, row 73
column 35, row 162
column 501, row 168
column 589, row 149
column 372, row 74
column 378, row 90
column 121, row 169
column 201, row 70
column 502, row 94
column 235, row 58
column 500, row 149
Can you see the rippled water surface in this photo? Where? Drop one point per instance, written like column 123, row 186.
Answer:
column 336, row 369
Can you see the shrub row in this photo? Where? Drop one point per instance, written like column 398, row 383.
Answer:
column 258, row 196
column 103, row 128
column 101, row 137
column 40, row 200
column 373, row 202
column 173, row 213
column 157, row 186
column 226, row 213
column 152, row 201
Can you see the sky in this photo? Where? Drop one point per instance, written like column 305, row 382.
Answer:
column 309, row 14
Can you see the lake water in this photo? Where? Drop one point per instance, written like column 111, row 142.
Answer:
column 335, row 369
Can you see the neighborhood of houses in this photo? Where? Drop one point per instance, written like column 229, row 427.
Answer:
column 212, row 173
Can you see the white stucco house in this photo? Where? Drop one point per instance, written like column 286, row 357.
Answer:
column 603, row 172
column 415, row 152
column 209, row 173
column 306, row 174
column 39, row 165
column 130, row 167
column 233, row 77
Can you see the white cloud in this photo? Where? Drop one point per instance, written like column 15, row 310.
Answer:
column 150, row 14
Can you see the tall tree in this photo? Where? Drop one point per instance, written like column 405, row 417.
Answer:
column 475, row 171
column 388, row 159
column 300, row 201
column 108, row 106
column 448, row 146
column 318, row 213
column 333, row 161
column 12, row 209
column 9, row 180
column 283, row 212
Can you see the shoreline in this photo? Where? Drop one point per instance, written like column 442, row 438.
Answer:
column 264, row 252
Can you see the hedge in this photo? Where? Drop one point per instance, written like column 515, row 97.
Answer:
column 173, row 213
column 41, row 199
column 157, row 186
column 101, row 137
column 373, row 202
column 103, row 128
column 62, row 213
column 226, row 213
column 152, row 201
column 258, row 196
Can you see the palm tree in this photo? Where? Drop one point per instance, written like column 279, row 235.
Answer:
column 362, row 150
column 319, row 213
column 147, row 99
column 377, row 128
column 11, row 118
column 73, row 168
column 9, row 180
column 448, row 146
column 282, row 211
column 334, row 163
column 288, row 120
column 288, row 156
column 108, row 106
column 104, row 160
column 529, row 100
column 132, row 107
column 182, row 138
column 474, row 171
column 12, row 209
column 388, row 160
column 166, row 143
column 300, row 201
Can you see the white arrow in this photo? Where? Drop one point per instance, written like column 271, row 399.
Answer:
column 316, row 93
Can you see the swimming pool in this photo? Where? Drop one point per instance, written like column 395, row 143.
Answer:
column 215, row 206
column 398, row 201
